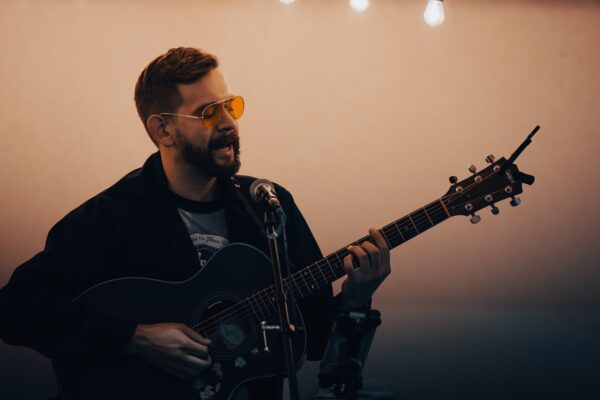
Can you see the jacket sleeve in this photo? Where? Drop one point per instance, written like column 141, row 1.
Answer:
column 36, row 306
column 318, row 309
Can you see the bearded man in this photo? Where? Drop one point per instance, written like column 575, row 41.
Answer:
column 165, row 221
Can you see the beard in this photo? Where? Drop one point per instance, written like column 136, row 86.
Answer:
column 202, row 158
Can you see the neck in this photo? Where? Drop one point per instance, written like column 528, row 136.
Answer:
column 188, row 181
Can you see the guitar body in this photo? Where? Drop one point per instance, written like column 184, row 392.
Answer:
column 233, row 274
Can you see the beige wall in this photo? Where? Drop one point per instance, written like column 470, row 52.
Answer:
column 363, row 117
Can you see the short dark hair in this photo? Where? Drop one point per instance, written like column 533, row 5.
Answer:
column 156, row 89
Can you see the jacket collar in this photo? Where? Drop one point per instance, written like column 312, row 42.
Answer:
column 241, row 226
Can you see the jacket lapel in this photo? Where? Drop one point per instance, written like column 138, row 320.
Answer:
column 169, row 221
column 241, row 225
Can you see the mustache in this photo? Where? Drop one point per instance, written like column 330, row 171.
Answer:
column 229, row 137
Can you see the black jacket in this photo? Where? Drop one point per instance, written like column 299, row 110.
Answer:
column 133, row 229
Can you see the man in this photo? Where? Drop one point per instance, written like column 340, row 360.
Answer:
column 164, row 221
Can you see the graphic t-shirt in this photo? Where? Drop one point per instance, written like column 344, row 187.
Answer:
column 205, row 222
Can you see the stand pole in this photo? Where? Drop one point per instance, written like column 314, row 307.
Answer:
column 282, row 305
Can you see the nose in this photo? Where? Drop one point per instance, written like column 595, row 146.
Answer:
column 227, row 122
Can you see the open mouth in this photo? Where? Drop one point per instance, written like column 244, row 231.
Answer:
column 226, row 146
column 223, row 144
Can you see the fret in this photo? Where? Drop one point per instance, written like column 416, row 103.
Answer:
column 429, row 218
column 405, row 226
column 391, row 236
column 249, row 300
column 385, row 238
column 436, row 212
column 253, row 310
column 259, row 307
column 340, row 260
column 319, row 268
column 305, row 284
column 444, row 207
column 399, row 231
column 413, row 222
column 313, row 277
column 330, row 267
column 395, row 234
column 268, row 299
column 297, row 287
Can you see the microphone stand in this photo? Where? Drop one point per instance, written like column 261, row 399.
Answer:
column 282, row 302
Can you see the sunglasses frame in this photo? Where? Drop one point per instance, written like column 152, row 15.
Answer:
column 220, row 115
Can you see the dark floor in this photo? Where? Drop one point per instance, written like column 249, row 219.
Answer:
column 433, row 353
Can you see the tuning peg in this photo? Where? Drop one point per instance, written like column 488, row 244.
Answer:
column 490, row 159
column 515, row 201
column 475, row 218
column 495, row 210
column 453, row 179
column 472, row 169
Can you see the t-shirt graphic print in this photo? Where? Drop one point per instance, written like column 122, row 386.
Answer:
column 206, row 225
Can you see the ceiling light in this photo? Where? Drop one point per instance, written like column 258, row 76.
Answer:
column 434, row 13
column 359, row 5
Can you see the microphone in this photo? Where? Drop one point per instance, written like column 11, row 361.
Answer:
column 262, row 192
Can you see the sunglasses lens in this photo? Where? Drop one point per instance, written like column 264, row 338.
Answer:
column 236, row 107
column 212, row 115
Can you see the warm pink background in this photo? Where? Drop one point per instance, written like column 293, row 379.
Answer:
column 361, row 116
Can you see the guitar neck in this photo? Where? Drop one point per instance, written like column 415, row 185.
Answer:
column 330, row 268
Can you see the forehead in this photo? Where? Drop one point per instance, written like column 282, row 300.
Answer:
column 210, row 88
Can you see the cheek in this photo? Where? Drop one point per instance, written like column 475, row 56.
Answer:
column 197, row 137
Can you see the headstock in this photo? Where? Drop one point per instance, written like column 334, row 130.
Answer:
column 500, row 180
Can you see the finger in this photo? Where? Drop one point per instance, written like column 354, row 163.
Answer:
column 361, row 255
column 349, row 268
column 194, row 363
column 373, row 253
column 195, row 349
column 384, row 252
column 381, row 243
column 192, row 334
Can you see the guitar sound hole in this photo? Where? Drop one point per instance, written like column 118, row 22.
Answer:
column 232, row 333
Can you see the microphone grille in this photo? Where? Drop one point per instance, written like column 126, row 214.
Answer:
column 256, row 186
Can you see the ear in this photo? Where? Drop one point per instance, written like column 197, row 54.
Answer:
column 157, row 128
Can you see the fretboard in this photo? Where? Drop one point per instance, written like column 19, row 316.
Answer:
column 330, row 268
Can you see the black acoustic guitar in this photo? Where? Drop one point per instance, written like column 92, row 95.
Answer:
column 231, row 312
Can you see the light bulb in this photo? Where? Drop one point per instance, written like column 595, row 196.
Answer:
column 434, row 13
column 287, row 1
column 359, row 5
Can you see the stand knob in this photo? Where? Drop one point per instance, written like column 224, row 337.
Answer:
column 495, row 210
column 264, row 327
column 453, row 179
column 475, row 218
column 515, row 201
column 472, row 169
column 490, row 159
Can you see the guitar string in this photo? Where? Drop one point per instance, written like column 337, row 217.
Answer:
column 268, row 307
column 259, row 297
column 262, row 297
column 268, row 292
